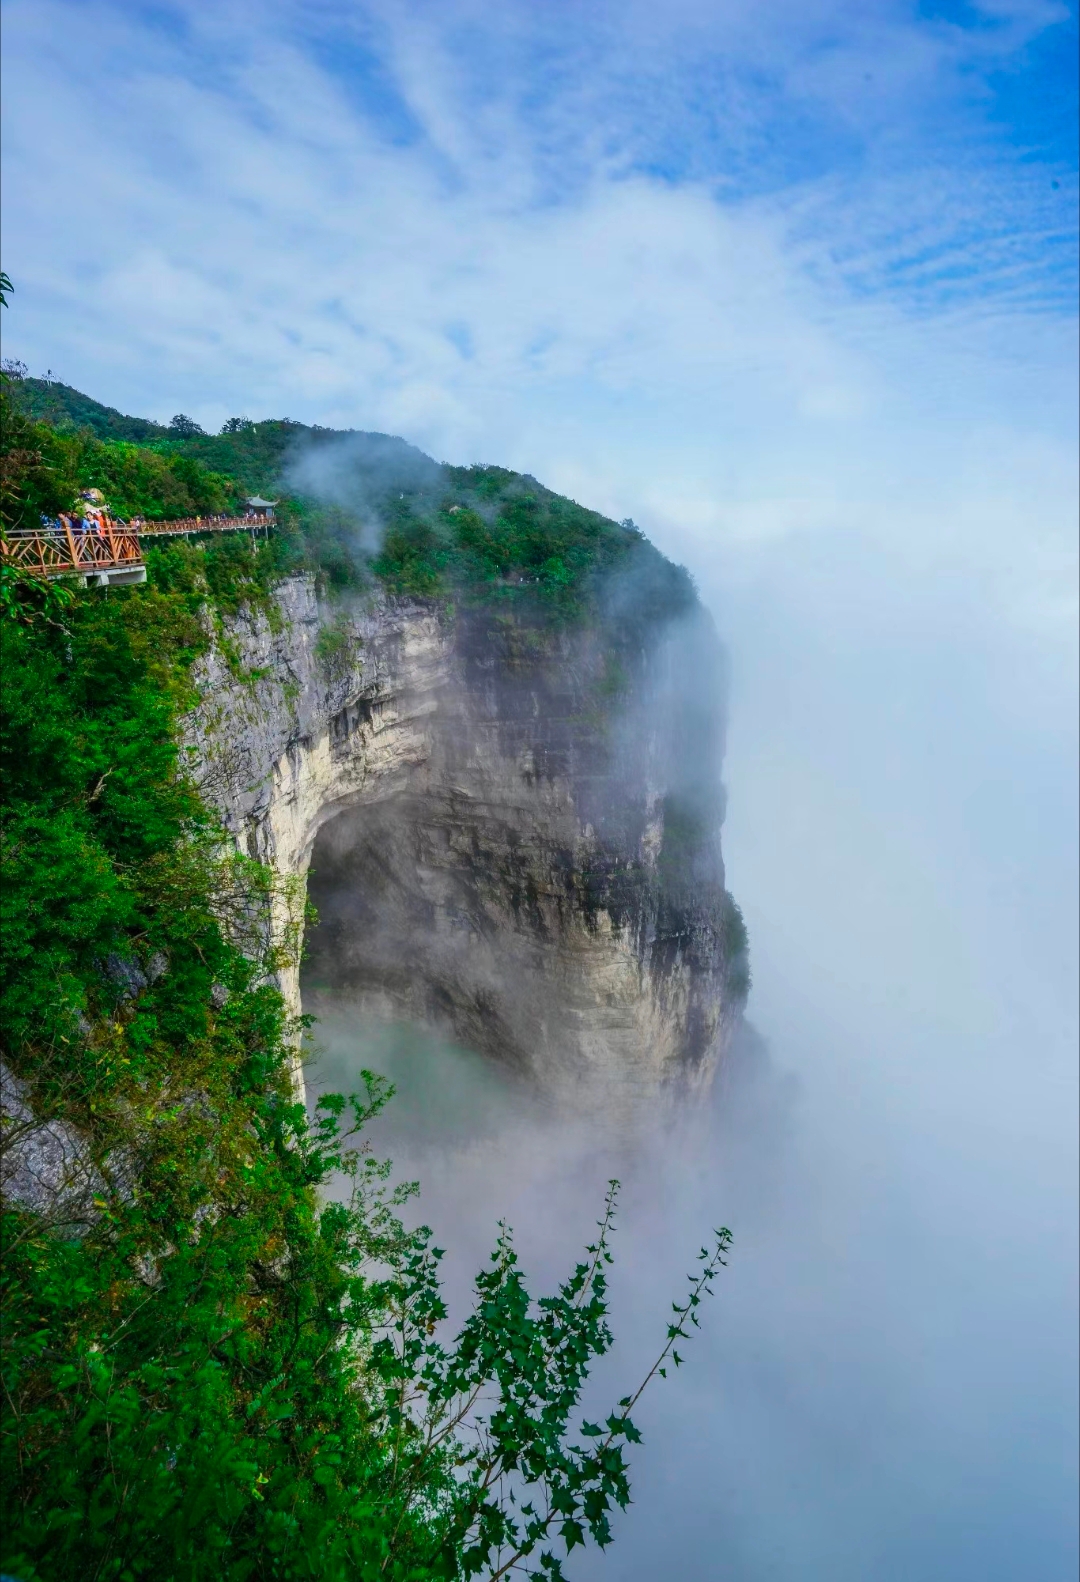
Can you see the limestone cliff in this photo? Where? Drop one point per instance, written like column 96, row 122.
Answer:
column 512, row 831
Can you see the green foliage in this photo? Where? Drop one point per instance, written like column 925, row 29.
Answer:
column 413, row 559
column 88, row 758
column 211, row 1365
column 230, row 570
column 240, row 570
column 505, row 543
column 38, row 473
column 326, row 540
column 184, row 427
column 480, row 536
column 25, row 597
column 138, row 481
column 514, row 1377
column 337, row 648
column 69, row 411
column 44, row 469
column 253, row 454
column 735, row 948
column 250, row 453
column 535, row 545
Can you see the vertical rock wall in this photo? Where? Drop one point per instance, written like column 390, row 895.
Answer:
column 515, row 838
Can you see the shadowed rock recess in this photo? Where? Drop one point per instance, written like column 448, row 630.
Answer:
column 512, row 826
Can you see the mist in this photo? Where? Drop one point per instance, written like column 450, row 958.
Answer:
column 359, row 473
column 794, row 286
column 886, row 1385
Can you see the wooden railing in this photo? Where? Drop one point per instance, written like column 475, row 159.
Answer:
column 61, row 550
column 203, row 524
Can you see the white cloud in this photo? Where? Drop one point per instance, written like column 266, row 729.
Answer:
column 758, row 276
column 219, row 226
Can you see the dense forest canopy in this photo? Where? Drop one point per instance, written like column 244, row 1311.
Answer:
column 385, row 510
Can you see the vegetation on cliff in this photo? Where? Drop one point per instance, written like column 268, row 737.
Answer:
column 483, row 534
column 45, row 468
column 216, row 1363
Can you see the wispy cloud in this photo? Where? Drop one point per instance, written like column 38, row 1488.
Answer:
column 791, row 283
column 728, row 270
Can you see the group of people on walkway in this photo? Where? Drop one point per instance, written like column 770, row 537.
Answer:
column 97, row 522
column 92, row 518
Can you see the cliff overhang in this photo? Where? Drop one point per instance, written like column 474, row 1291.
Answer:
column 512, row 830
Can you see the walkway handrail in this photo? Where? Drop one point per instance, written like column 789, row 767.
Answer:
column 58, row 549
column 54, row 551
column 203, row 524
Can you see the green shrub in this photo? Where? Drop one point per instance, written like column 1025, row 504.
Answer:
column 412, row 560
column 735, row 948
column 337, row 648
column 138, row 480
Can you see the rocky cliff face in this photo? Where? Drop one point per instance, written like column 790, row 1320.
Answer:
column 512, row 831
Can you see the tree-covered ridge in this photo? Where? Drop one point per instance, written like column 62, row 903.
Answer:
column 44, row 469
column 483, row 534
column 68, row 410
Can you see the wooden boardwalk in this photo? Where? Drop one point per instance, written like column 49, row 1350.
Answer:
column 202, row 524
column 108, row 553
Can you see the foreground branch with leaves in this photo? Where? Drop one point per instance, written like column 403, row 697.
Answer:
column 262, row 1391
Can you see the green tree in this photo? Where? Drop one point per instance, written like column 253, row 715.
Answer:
column 185, row 427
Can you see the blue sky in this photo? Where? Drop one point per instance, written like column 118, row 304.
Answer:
column 920, row 156
column 717, row 267
column 793, row 284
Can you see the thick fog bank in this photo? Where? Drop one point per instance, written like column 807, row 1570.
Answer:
column 886, row 1387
